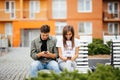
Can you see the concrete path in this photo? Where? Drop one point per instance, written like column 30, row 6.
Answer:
column 15, row 64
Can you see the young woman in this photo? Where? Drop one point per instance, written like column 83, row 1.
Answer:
column 68, row 48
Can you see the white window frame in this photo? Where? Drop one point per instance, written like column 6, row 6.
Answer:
column 60, row 26
column 10, row 10
column 113, row 28
column 59, row 8
column 112, row 6
column 85, row 28
column 84, row 7
column 35, row 7
column 113, row 11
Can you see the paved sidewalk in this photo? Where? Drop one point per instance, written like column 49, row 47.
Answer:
column 15, row 64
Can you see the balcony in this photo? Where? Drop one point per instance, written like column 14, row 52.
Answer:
column 111, row 16
column 26, row 14
column 107, row 36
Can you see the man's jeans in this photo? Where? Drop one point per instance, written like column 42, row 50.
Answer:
column 37, row 65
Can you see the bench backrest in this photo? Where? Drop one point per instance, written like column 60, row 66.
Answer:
column 115, row 53
column 82, row 60
column 3, row 43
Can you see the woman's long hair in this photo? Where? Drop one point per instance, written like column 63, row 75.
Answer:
column 66, row 29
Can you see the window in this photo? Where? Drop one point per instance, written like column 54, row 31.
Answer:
column 10, row 8
column 85, row 28
column 34, row 8
column 84, row 5
column 112, row 7
column 8, row 29
column 113, row 28
column 59, row 27
column 59, row 8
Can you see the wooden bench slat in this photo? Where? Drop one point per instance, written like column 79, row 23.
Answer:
column 116, row 51
column 116, row 62
column 116, row 48
column 116, row 44
column 81, row 59
column 83, row 48
column 116, row 55
column 83, row 52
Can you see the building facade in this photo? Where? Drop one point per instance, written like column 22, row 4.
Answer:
column 20, row 20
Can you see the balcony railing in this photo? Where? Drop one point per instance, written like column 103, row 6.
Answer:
column 111, row 34
column 26, row 14
column 108, row 36
column 110, row 15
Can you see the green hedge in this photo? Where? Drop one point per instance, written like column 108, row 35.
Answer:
column 98, row 47
column 101, row 73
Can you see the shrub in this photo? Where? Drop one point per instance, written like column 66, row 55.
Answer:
column 105, row 73
column 97, row 47
column 102, row 72
column 98, row 41
column 109, row 43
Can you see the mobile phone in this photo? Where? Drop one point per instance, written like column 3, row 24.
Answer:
column 69, row 58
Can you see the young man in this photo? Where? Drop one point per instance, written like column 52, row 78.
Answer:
column 44, row 52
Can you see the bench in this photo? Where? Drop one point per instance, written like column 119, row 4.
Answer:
column 82, row 60
column 115, row 53
column 3, row 45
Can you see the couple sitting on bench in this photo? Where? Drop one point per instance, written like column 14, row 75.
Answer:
column 45, row 49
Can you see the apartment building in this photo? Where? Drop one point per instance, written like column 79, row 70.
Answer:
column 111, row 20
column 20, row 20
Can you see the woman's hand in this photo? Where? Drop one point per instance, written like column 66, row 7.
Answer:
column 73, row 58
column 64, row 58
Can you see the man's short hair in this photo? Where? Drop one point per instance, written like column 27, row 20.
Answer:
column 45, row 29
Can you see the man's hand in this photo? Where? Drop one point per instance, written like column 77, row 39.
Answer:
column 40, row 54
column 49, row 55
column 46, row 54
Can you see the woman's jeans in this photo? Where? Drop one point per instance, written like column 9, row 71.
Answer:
column 38, row 65
column 69, row 65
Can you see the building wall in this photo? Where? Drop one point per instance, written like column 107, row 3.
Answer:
column 45, row 17
column 43, row 9
column 74, row 14
column 74, row 17
column 18, row 25
column 2, row 28
column 96, row 27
